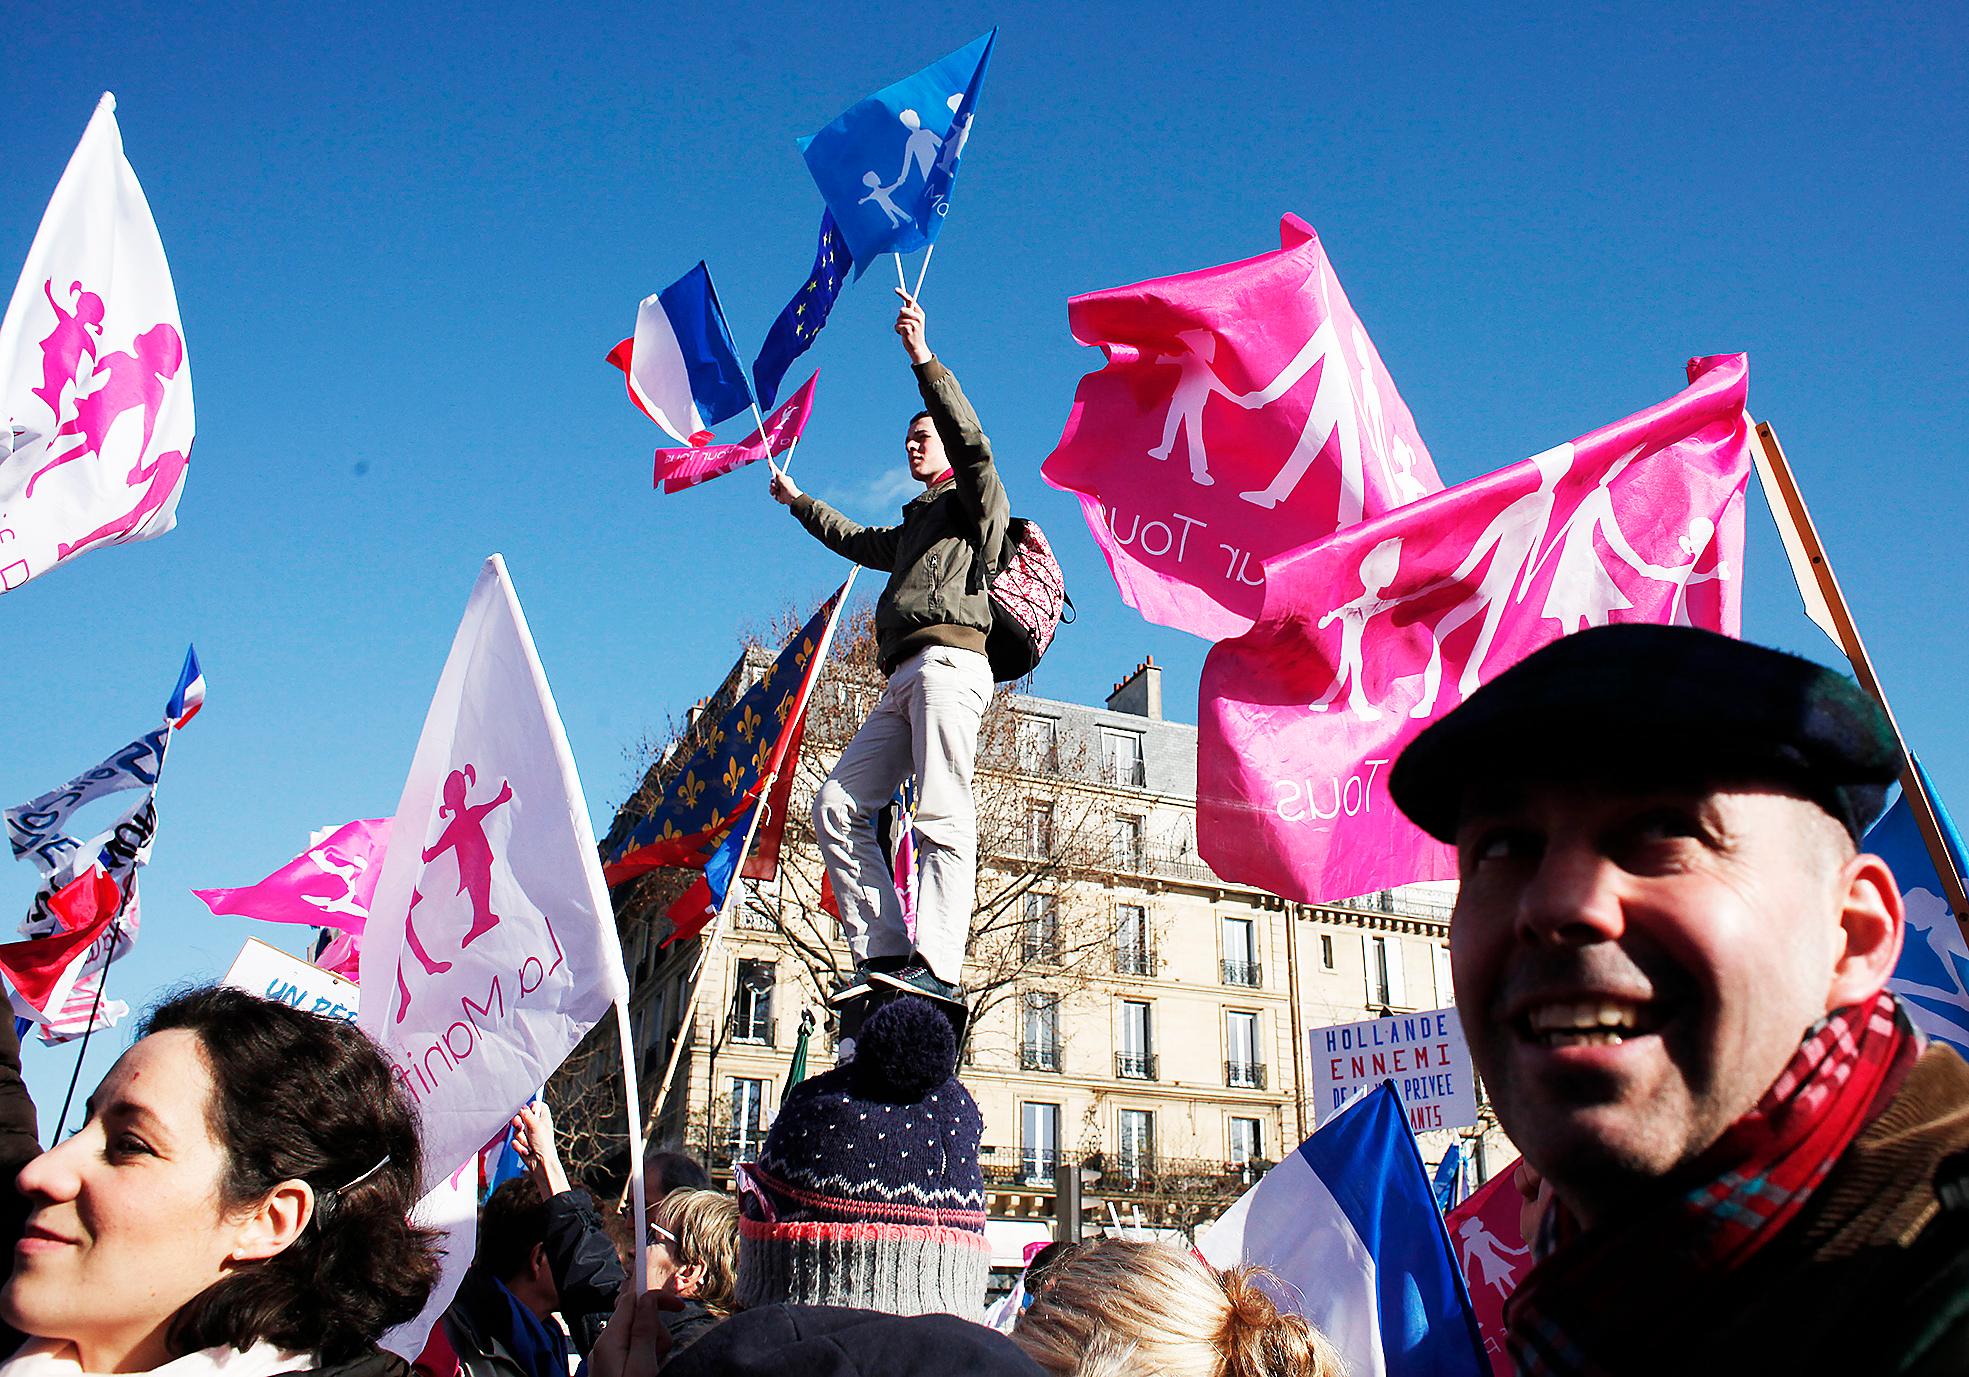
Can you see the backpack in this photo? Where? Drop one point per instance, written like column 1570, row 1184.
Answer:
column 1028, row 601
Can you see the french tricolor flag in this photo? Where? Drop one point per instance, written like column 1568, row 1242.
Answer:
column 1349, row 1224
column 189, row 696
column 681, row 366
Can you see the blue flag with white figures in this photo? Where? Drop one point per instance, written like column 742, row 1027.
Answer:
column 1932, row 978
column 1349, row 1225
column 794, row 332
column 885, row 165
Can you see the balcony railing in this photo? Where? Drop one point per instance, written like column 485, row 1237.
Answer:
column 1036, row 1166
column 1246, row 973
column 1132, row 774
column 1041, row 947
column 755, row 919
column 763, row 1031
column 1132, row 960
column 1123, row 1174
column 1135, row 1066
column 1039, row 1056
column 1244, row 1075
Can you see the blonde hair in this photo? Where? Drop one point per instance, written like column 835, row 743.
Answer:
column 1148, row 1308
column 706, row 1226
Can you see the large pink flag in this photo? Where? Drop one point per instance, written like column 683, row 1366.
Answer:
column 677, row 469
column 1242, row 411
column 1367, row 636
column 329, row 885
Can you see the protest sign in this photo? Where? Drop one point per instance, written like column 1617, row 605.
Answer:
column 273, row 974
column 1425, row 1055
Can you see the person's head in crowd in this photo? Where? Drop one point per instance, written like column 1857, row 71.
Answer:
column 1116, row 1306
column 1039, row 1272
column 665, row 1171
column 244, row 1177
column 513, row 1244
column 1656, row 832
column 693, row 1249
column 867, row 1191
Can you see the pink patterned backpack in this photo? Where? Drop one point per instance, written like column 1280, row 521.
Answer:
column 1028, row 601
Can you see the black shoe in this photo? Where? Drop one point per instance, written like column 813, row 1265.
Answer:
column 918, row 979
column 861, row 981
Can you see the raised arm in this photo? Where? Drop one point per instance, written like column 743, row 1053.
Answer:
column 964, row 441
column 872, row 547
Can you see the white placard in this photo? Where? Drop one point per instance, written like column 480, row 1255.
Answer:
column 1425, row 1055
column 272, row 974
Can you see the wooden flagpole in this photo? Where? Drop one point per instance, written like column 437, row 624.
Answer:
column 1795, row 524
column 718, row 924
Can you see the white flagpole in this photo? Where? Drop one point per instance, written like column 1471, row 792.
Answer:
column 717, row 924
column 923, row 271
column 900, row 280
column 633, row 1103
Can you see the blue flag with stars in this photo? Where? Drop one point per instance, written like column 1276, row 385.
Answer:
column 884, row 166
column 793, row 333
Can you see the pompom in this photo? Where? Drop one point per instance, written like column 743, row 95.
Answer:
column 905, row 1050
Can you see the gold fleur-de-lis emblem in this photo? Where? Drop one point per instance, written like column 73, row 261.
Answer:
column 669, row 832
column 772, row 672
column 733, row 774
column 717, row 821
column 784, row 707
column 748, row 722
column 804, row 653
column 717, row 737
column 690, row 789
column 762, row 756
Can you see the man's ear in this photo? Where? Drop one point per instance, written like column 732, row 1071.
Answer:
column 1871, row 923
column 273, row 1226
column 690, row 1279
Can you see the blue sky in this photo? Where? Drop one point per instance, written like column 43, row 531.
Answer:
column 404, row 237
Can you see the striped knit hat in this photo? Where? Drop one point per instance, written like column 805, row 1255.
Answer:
column 867, row 1192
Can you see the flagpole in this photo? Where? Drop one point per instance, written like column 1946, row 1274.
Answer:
column 1793, row 519
column 717, row 924
column 923, row 271
column 901, row 283
column 95, row 1007
column 632, row 1102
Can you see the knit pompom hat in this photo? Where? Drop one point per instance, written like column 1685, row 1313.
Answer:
column 867, row 1192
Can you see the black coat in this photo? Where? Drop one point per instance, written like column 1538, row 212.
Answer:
column 834, row 1341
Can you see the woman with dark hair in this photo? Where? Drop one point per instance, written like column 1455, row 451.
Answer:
column 237, row 1203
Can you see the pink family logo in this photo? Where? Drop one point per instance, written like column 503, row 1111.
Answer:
column 465, row 838
column 88, row 391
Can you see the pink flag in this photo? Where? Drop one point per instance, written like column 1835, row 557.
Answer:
column 677, row 469
column 1370, row 634
column 1242, row 411
column 329, row 885
column 1494, row 1255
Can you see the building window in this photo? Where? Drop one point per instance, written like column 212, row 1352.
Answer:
column 1039, row 831
column 1445, row 986
column 1136, row 1058
column 1326, row 951
column 1243, row 1070
column 1039, row 1039
column 1123, row 754
column 1240, row 962
column 1247, row 1145
column 1039, row 1142
column 1040, row 928
column 1131, row 941
column 1128, row 842
column 1382, row 960
column 748, row 1118
column 1038, row 744
column 1136, row 1160
column 752, row 1003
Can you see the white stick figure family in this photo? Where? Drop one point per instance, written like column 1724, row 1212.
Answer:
column 923, row 150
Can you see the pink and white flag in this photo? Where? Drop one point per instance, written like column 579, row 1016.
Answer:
column 490, row 947
column 1368, row 636
column 677, row 469
column 329, row 885
column 95, row 388
column 1242, row 411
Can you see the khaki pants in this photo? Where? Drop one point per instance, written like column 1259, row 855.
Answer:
column 926, row 723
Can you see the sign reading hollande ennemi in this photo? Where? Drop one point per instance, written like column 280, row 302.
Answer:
column 1423, row 1054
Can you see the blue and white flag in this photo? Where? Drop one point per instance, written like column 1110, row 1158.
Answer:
column 1932, row 978
column 885, row 165
column 681, row 366
column 1348, row 1223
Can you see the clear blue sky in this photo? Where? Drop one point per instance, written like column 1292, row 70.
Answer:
column 404, row 237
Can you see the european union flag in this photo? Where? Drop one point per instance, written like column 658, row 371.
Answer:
column 884, row 166
column 794, row 331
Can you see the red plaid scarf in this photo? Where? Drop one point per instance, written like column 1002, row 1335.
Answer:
column 1572, row 1313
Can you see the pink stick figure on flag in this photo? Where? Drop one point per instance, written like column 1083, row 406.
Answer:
column 465, row 838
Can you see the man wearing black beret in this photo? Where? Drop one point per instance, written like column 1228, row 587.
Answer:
column 1671, row 959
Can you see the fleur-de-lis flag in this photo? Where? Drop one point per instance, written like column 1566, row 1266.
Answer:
column 747, row 753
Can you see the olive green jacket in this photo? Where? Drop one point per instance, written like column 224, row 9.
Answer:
column 934, row 596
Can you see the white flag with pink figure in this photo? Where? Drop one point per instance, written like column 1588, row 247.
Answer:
column 94, row 383
column 1367, row 636
column 490, row 946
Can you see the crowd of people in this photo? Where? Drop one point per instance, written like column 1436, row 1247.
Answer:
column 1671, row 958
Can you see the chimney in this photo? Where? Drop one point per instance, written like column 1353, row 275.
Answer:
column 1140, row 693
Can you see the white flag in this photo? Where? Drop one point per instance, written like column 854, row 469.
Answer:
column 491, row 945
column 95, row 388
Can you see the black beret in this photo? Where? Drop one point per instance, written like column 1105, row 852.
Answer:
column 1636, row 701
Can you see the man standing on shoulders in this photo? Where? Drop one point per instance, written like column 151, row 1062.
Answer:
column 931, row 624
column 1671, row 959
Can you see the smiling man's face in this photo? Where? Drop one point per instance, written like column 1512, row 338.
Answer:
column 1635, row 969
